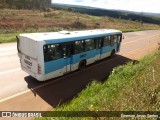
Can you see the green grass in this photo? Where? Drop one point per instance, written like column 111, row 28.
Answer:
column 129, row 88
column 131, row 30
column 135, row 30
column 8, row 37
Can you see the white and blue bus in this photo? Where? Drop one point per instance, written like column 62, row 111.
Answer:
column 52, row 54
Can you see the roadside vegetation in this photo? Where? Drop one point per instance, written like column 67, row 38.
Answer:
column 14, row 22
column 131, row 87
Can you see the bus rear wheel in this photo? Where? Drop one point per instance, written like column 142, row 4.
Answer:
column 82, row 65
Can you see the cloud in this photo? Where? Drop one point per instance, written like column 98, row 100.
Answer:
column 136, row 5
column 78, row 0
column 132, row 5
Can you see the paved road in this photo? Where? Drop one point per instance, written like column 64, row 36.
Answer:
column 19, row 91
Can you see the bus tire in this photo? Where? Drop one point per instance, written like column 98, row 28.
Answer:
column 82, row 65
column 113, row 53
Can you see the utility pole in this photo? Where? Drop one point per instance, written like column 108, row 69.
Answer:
column 141, row 21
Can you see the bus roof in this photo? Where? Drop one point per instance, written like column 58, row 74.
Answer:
column 64, row 36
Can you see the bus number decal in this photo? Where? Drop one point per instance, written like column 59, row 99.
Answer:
column 28, row 63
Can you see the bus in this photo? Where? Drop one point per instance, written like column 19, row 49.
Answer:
column 52, row 54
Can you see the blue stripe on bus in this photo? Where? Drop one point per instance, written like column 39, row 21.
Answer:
column 60, row 40
column 61, row 63
column 52, row 66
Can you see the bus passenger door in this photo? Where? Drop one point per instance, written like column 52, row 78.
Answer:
column 98, row 43
column 67, row 53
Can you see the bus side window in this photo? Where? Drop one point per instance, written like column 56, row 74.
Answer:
column 52, row 52
column 45, row 48
column 70, row 50
column 79, row 47
column 56, row 51
column 119, row 38
column 67, row 50
column 98, row 42
column 112, row 40
column 116, row 38
column 46, row 52
column 107, row 40
column 89, row 44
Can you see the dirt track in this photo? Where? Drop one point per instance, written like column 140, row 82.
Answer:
column 21, row 92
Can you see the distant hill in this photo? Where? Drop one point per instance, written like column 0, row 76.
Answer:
column 121, row 14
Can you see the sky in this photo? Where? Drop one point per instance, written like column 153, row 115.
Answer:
column 152, row 6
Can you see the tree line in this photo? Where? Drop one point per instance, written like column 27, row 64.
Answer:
column 25, row 4
column 127, row 15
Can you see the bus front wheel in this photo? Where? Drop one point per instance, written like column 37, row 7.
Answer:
column 82, row 65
